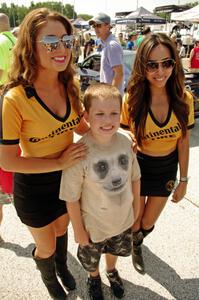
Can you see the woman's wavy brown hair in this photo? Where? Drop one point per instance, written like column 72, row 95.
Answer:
column 139, row 98
column 24, row 69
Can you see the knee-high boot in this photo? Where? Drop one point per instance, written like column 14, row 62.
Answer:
column 61, row 262
column 147, row 231
column 138, row 238
column 137, row 258
column 47, row 268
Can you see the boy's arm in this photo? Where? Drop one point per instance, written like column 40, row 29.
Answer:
column 81, row 235
column 136, row 200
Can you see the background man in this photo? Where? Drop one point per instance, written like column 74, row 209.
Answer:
column 111, row 70
column 131, row 44
column 7, row 41
column 146, row 32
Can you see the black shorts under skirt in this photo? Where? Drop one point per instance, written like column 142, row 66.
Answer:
column 36, row 198
column 158, row 174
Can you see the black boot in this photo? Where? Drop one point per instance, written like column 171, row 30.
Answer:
column 47, row 268
column 61, row 262
column 138, row 237
column 147, row 231
column 137, row 258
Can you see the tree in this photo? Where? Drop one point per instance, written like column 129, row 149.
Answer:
column 17, row 13
column 85, row 17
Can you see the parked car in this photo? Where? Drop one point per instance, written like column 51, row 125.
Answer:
column 89, row 73
column 192, row 84
column 89, row 68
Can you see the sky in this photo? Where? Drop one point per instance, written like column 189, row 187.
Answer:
column 92, row 7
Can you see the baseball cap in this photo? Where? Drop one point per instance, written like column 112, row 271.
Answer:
column 132, row 33
column 100, row 18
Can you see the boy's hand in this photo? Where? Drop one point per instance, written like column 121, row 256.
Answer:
column 82, row 238
column 136, row 214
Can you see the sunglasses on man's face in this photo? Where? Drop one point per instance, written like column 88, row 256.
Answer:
column 51, row 42
column 153, row 66
column 97, row 25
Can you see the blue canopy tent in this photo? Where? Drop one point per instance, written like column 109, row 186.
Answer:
column 141, row 16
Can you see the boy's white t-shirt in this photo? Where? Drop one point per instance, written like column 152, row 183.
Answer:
column 103, row 184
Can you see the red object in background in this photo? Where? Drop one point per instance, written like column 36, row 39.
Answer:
column 6, row 181
column 195, row 58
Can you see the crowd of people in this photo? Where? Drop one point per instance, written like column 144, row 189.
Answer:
column 89, row 42
column 115, row 181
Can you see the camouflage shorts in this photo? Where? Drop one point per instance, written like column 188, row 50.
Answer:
column 119, row 245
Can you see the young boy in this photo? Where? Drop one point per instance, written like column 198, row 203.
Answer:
column 103, row 191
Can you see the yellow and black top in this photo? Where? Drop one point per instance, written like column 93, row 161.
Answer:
column 25, row 119
column 159, row 137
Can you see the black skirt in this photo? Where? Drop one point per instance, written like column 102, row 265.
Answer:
column 36, row 198
column 158, row 174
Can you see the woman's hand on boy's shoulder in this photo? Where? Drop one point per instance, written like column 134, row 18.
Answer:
column 74, row 153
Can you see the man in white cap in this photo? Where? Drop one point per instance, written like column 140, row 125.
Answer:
column 112, row 70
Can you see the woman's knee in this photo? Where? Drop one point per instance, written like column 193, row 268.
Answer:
column 45, row 240
column 61, row 225
column 147, row 223
column 44, row 252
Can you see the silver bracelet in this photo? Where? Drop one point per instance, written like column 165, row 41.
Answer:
column 184, row 179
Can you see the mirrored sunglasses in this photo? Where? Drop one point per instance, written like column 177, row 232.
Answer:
column 153, row 66
column 51, row 42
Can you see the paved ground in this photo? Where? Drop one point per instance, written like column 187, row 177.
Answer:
column 171, row 254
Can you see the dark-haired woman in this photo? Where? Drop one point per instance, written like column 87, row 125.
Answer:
column 159, row 112
column 40, row 110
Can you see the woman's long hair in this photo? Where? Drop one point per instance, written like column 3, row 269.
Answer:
column 24, row 69
column 139, row 92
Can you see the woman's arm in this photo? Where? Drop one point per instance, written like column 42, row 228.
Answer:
column 183, row 158
column 83, row 127
column 11, row 161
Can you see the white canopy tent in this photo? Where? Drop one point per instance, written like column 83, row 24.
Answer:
column 191, row 15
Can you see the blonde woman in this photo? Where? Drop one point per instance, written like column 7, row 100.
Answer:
column 40, row 111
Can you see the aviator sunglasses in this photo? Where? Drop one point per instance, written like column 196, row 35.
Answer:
column 97, row 25
column 153, row 66
column 51, row 42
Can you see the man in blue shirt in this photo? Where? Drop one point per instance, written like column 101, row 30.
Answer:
column 111, row 70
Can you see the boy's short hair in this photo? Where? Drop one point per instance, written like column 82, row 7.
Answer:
column 100, row 90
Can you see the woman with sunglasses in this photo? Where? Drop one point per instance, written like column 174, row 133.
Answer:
column 159, row 112
column 40, row 110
